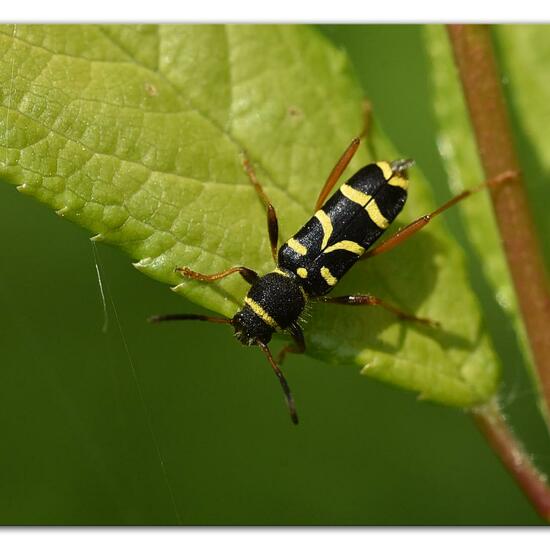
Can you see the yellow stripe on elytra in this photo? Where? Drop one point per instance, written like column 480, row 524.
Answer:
column 326, row 224
column 367, row 202
column 261, row 312
column 375, row 215
column 328, row 276
column 386, row 169
column 358, row 197
column 398, row 181
column 298, row 247
column 350, row 246
column 302, row 272
column 280, row 272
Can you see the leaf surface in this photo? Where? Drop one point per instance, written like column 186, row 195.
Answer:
column 136, row 133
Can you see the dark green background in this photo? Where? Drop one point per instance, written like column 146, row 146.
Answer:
column 76, row 439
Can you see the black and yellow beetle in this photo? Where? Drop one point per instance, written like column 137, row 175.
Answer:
column 310, row 264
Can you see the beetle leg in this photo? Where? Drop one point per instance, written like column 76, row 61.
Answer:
column 403, row 234
column 247, row 274
column 370, row 300
column 298, row 346
column 272, row 222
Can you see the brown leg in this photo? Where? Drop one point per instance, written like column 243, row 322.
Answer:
column 369, row 300
column 345, row 159
column 337, row 171
column 272, row 223
column 247, row 274
column 299, row 345
column 408, row 231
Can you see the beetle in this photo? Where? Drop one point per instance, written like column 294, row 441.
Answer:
column 309, row 264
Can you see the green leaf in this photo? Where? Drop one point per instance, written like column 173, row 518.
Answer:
column 136, row 133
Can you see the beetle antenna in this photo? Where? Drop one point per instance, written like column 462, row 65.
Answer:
column 189, row 317
column 284, row 384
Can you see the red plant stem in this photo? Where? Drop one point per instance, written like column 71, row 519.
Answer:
column 492, row 424
column 482, row 89
column 481, row 83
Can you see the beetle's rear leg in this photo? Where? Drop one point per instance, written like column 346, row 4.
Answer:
column 370, row 300
column 337, row 171
column 403, row 234
column 348, row 154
